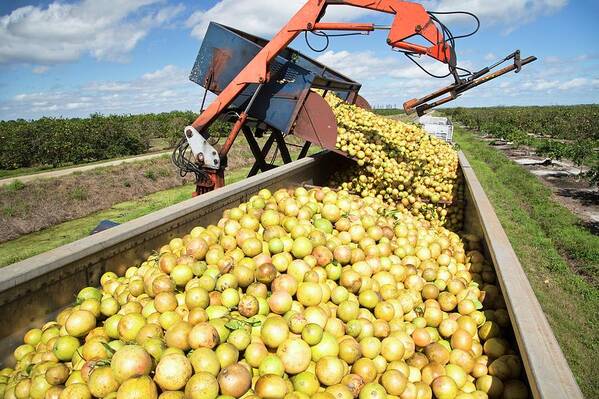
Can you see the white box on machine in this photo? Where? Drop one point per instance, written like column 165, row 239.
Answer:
column 439, row 127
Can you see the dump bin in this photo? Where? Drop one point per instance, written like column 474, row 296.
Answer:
column 286, row 101
column 34, row 290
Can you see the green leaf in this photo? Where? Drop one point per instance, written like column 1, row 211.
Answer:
column 108, row 348
column 253, row 322
column 235, row 324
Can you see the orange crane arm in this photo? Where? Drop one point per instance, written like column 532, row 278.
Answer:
column 411, row 19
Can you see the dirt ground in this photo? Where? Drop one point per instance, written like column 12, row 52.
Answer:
column 32, row 206
column 562, row 177
column 26, row 207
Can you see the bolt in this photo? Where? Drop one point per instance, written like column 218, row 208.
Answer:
column 216, row 161
column 418, row 28
column 213, row 152
column 188, row 133
column 388, row 41
column 261, row 79
column 200, row 158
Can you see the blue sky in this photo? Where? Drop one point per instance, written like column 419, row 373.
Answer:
column 73, row 58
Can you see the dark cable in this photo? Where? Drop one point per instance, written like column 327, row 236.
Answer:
column 448, row 37
column 317, row 34
column 424, row 69
column 460, row 12
column 327, row 37
column 468, row 73
column 451, row 39
column 208, row 84
column 182, row 161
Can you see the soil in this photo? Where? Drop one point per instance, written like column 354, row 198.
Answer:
column 39, row 204
column 79, row 169
column 562, row 177
column 42, row 200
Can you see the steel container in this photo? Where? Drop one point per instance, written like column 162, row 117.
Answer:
column 34, row 290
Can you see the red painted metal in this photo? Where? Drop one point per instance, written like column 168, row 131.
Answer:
column 316, row 122
column 362, row 103
column 216, row 179
column 233, row 135
column 343, row 26
column 220, row 58
column 410, row 19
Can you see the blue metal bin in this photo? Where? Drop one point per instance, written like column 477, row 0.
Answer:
column 226, row 51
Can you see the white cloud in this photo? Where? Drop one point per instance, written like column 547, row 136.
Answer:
column 490, row 57
column 577, row 83
column 168, row 72
column 509, row 13
column 359, row 66
column 549, row 86
column 265, row 17
column 62, row 32
column 392, row 80
column 387, row 80
column 552, row 59
column 162, row 90
column 40, row 69
column 366, row 65
column 259, row 17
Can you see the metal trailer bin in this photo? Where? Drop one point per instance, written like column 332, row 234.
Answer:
column 34, row 290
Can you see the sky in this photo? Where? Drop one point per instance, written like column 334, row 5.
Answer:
column 74, row 58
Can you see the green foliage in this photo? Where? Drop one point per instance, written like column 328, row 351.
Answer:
column 70, row 141
column 559, row 122
column 78, row 193
column 552, row 149
column 593, row 175
column 150, row 174
column 164, row 172
column 8, row 211
column 388, row 111
column 154, row 173
column 582, row 151
column 15, row 185
column 557, row 132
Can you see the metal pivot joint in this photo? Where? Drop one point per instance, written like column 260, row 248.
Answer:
column 205, row 155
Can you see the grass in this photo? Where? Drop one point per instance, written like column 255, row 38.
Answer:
column 79, row 194
column 64, row 233
column 159, row 144
column 560, row 257
column 15, row 185
column 150, row 174
column 8, row 173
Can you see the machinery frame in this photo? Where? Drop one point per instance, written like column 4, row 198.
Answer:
column 410, row 20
